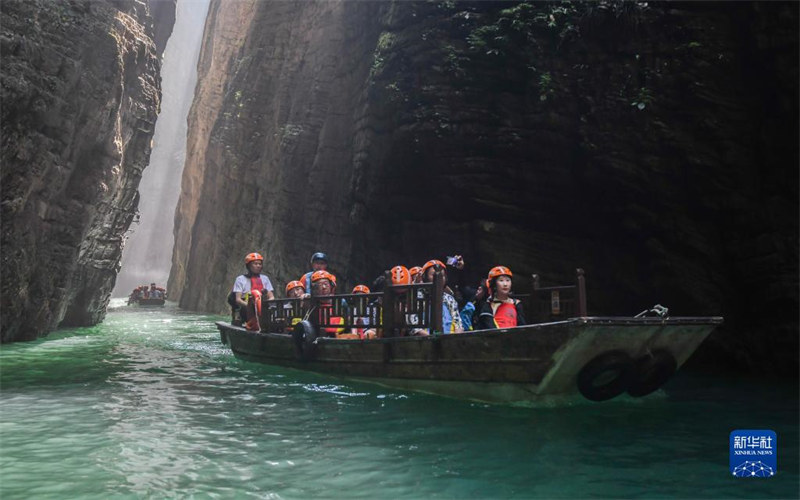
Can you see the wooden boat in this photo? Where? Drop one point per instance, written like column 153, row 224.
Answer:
column 141, row 296
column 565, row 353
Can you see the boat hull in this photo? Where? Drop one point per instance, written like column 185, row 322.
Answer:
column 149, row 302
column 527, row 363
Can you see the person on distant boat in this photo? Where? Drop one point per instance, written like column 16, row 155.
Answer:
column 451, row 320
column 154, row 292
column 500, row 310
column 248, row 282
column 323, row 284
column 319, row 262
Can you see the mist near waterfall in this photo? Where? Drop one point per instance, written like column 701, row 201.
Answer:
column 148, row 248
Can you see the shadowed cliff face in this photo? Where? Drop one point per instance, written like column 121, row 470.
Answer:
column 80, row 94
column 655, row 146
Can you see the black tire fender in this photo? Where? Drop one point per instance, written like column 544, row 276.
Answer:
column 304, row 336
column 606, row 376
column 651, row 372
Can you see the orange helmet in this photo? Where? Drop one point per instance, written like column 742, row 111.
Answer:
column 323, row 275
column 400, row 275
column 415, row 271
column 499, row 271
column 294, row 284
column 432, row 263
column 361, row 289
column 253, row 256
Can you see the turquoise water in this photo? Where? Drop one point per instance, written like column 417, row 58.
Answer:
column 149, row 404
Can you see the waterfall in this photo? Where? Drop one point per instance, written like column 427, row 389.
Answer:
column 148, row 249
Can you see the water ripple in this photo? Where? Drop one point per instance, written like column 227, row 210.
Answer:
column 149, row 404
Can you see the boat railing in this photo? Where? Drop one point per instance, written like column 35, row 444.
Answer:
column 554, row 303
column 396, row 309
column 411, row 307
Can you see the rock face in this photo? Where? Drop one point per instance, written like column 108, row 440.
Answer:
column 272, row 131
column 80, row 94
column 655, row 146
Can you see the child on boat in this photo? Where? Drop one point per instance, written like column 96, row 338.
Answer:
column 293, row 310
column 295, row 289
column 357, row 305
column 501, row 310
column 323, row 284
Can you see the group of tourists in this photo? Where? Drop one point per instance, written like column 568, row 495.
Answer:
column 489, row 305
column 145, row 292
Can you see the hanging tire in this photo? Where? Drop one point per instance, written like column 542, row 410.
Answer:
column 304, row 336
column 651, row 372
column 606, row 376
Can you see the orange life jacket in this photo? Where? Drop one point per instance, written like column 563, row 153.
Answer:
column 256, row 283
column 505, row 314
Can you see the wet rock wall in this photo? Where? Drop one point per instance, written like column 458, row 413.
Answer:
column 80, row 92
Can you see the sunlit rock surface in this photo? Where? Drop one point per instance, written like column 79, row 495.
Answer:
column 655, row 146
column 80, row 94
column 147, row 256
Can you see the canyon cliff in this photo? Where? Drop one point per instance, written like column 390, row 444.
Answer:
column 80, row 92
column 653, row 145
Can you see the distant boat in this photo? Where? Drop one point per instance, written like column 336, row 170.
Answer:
column 566, row 354
column 144, row 296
